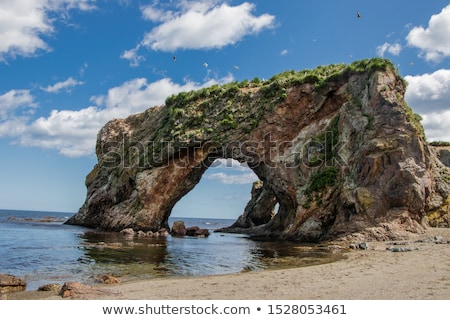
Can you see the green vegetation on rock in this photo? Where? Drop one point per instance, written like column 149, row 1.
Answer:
column 210, row 112
column 318, row 183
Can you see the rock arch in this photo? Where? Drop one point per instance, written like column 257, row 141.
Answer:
column 337, row 148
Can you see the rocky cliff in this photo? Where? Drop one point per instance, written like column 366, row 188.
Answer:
column 336, row 149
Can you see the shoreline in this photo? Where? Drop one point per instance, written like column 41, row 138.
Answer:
column 420, row 271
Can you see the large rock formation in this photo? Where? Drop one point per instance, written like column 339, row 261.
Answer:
column 336, row 148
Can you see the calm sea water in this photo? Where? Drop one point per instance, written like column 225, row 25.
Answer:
column 38, row 247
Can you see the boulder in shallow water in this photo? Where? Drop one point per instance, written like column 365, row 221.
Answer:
column 197, row 232
column 128, row 231
column 178, row 229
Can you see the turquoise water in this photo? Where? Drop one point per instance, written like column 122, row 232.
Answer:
column 38, row 247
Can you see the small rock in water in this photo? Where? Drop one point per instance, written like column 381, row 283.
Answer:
column 128, row 231
column 178, row 229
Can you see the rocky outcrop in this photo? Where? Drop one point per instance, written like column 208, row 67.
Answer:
column 255, row 212
column 179, row 230
column 336, row 148
column 10, row 283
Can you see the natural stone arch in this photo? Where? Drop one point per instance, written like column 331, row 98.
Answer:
column 337, row 147
column 159, row 189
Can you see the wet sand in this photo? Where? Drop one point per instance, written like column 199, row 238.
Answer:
column 420, row 271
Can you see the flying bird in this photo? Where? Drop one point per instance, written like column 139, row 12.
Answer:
column 174, row 58
column 205, row 65
column 358, row 15
column 236, row 67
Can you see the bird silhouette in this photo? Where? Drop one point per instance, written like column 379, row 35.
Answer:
column 174, row 58
column 358, row 15
column 205, row 65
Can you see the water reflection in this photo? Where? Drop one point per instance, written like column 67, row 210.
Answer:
column 143, row 257
column 51, row 252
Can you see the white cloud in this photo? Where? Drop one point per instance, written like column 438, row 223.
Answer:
column 150, row 12
column 436, row 126
column 429, row 95
column 83, row 69
column 73, row 132
column 133, row 56
column 429, row 92
column 63, row 85
column 230, row 163
column 392, row 48
column 14, row 99
column 199, row 25
column 243, row 178
column 24, row 24
column 434, row 40
column 12, row 122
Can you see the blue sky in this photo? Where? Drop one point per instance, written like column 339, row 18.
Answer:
column 69, row 66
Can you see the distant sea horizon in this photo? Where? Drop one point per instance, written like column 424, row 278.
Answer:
column 38, row 247
column 70, row 213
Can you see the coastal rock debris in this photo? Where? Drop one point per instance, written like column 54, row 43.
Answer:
column 76, row 290
column 10, row 283
column 337, row 150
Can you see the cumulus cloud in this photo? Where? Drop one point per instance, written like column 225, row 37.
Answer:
column 392, row 48
column 14, row 99
column 434, row 40
column 73, row 132
column 436, row 126
column 66, row 85
column 16, row 106
column 199, row 25
column 429, row 92
column 237, row 173
column 429, row 95
column 243, row 178
column 133, row 56
column 25, row 23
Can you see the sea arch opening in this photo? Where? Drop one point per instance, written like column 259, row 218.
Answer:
column 223, row 191
column 226, row 188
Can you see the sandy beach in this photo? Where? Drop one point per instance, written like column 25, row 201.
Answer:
column 421, row 270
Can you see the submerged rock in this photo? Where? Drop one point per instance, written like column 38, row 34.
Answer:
column 337, row 149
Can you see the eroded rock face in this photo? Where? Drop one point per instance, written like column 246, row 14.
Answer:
column 256, row 211
column 336, row 148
